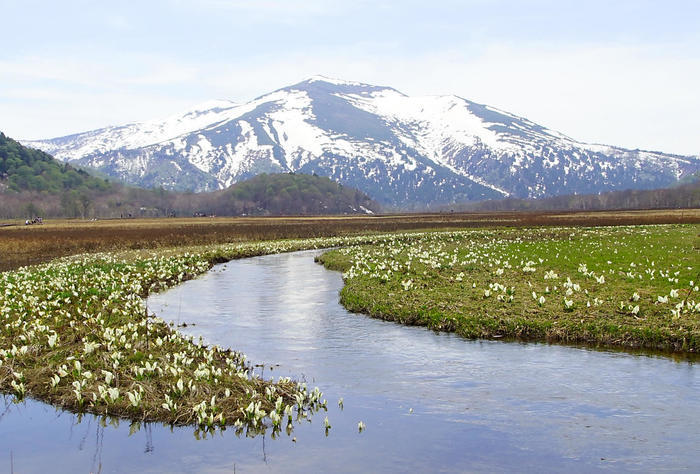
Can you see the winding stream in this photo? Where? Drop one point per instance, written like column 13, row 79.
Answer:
column 431, row 402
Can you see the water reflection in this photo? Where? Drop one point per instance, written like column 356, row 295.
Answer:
column 431, row 402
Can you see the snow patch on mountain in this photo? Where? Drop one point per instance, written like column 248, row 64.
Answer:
column 334, row 81
column 294, row 130
column 430, row 119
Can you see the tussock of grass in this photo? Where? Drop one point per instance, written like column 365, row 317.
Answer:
column 633, row 286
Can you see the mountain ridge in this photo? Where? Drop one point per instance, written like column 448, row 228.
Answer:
column 401, row 150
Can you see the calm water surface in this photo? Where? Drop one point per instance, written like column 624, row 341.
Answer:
column 431, row 402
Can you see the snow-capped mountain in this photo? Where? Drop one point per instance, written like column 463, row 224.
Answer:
column 400, row 150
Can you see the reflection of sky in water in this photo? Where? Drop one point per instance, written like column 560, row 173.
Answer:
column 477, row 405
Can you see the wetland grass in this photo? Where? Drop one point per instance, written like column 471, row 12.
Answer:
column 629, row 286
column 75, row 333
column 27, row 245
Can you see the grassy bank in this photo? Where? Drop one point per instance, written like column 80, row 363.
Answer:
column 633, row 286
column 75, row 333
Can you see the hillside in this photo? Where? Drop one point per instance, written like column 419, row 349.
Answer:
column 33, row 183
column 405, row 152
column 290, row 194
column 27, row 169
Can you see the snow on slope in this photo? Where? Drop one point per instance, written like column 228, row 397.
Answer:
column 401, row 150
column 138, row 135
column 434, row 119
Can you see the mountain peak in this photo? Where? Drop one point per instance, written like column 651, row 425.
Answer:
column 401, row 150
column 329, row 84
column 337, row 82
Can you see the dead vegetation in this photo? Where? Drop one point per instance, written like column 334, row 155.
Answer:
column 25, row 245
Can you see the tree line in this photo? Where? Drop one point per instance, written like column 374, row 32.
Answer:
column 682, row 196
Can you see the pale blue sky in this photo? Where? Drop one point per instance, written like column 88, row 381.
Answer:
column 617, row 72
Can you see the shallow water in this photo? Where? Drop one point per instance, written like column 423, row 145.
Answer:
column 431, row 402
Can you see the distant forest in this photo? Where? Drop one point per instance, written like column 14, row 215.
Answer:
column 682, row 196
column 27, row 169
column 34, row 184
column 286, row 193
column 30, row 178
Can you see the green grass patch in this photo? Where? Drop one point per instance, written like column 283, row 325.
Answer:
column 631, row 286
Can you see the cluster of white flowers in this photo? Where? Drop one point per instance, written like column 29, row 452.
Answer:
column 90, row 310
column 417, row 261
